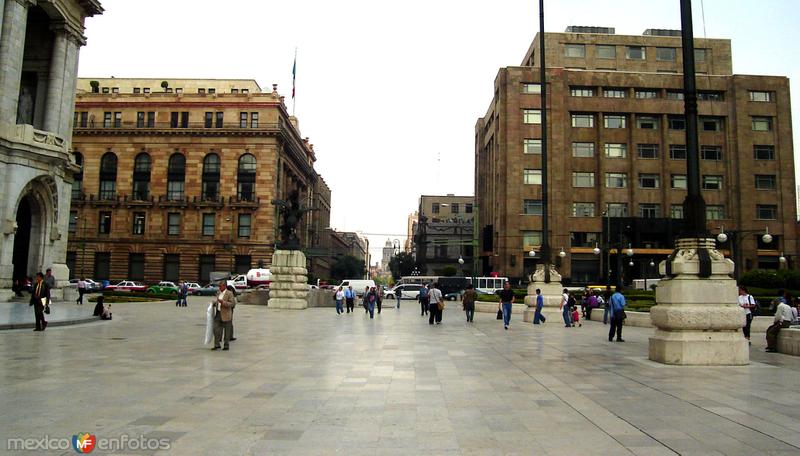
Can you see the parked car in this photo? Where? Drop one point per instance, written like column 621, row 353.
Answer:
column 91, row 285
column 127, row 285
column 163, row 287
column 192, row 286
column 358, row 285
column 208, row 290
column 452, row 296
column 408, row 291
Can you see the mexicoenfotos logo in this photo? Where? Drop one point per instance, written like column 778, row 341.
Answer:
column 84, row 443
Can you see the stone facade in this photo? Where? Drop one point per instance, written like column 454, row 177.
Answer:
column 749, row 185
column 443, row 233
column 39, row 45
column 186, row 180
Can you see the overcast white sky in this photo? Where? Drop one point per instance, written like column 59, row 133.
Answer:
column 389, row 91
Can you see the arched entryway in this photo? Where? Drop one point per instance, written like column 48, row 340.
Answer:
column 29, row 238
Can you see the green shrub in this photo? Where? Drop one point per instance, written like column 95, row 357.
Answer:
column 143, row 294
column 782, row 278
column 488, row 298
column 114, row 299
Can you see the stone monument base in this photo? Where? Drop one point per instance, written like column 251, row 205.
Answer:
column 289, row 286
column 551, row 291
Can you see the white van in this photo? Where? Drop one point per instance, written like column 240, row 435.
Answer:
column 358, row 285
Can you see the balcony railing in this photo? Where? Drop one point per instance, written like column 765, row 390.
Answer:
column 134, row 125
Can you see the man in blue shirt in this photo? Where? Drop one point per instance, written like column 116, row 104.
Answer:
column 537, row 314
column 349, row 297
column 616, row 309
column 423, row 299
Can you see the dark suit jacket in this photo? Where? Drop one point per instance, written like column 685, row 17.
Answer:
column 44, row 292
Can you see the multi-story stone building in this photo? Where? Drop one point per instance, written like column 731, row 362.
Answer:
column 411, row 222
column 443, row 233
column 616, row 147
column 39, row 46
column 178, row 178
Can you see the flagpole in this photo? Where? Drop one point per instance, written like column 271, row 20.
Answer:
column 294, row 75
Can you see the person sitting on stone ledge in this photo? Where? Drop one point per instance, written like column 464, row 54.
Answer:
column 783, row 318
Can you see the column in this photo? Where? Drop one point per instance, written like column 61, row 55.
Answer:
column 70, row 82
column 41, row 95
column 55, row 82
column 2, row 8
column 12, row 47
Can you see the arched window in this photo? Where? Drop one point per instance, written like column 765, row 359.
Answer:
column 210, row 177
column 108, row 176
column 176, row 175
column 77, row 184
column 246, row 177
column 141, row 177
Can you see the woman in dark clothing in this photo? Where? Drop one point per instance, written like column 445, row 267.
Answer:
column 468, row 300
column 98, row 308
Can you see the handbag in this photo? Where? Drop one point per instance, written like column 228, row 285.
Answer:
column 47, row 310
column 440, row 305
column 499, row 314
column 622, row 315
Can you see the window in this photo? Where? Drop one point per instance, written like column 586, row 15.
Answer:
column 647, row 151
column 575, row 50
column 106, row 120
column 151, row 119
column 137, row 90
column 117, row 119
column 676, row 211
column 209, row 220
column 104, row 223
column 73, row 221
column 201, row 90
column 173, row 223
column 242, row 119
column 531, row 116
column 77, row 183
column 209, row 120
column 82, row 120
column 140, row 119
column 665, row 54
column 172, row 267
column 649, row 180
column 614, row 93
column 583, row 149
column 615, row 121
column 454, row 208
column 583, row 120
column 675, row 95
column 179, row 119
column 138, row 222
column 605, row 52
column 108, row 176
column 136, row 266
column 234, row 90
column 711, row 123
column 715, row 212
column 102, row 265
column 676, row 122
column 616, row 150
column 616, row 180
column 218, row 123
column 212, row 90
column 207, row 266
column 582, row 179
column 617, row 209
column 246, row 178
column 245, row 91
column 678, row 181
column 712, row 182
column 766, row 212
column 253, row 120
column 531, row 239
column 105, row 90
column 242, row 264
column 532, row 146
column 532, row 207
column 635, row 53
column 468, row 208
column 141, row 177
column 647, row 122
column 762, row 152
column 761, row 96
column 762, row 123
column 645, row 93
column 677, row 152
column 210, row 186
column 766, row 182
column 176, row 176
column 529, row 87
column 649, row 210
column 244, row 225
column 581, row 91
column 174, row 119
column 435, row 208
column 699, row 56
column 707, row 95
column 532, row 176
column 580, row 239
column 184, row 120
column 146, row 90
column 179, row 90
column 582, row 209
column 711, row 153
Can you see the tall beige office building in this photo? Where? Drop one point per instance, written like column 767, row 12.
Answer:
column 616, row 156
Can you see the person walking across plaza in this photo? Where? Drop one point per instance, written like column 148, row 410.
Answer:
column 371, row 298
column 49, row 279
column 783, row 319
column 81, row 291
column 617, row 314
column 748, row 304
column 40, row 299
column 223, row 316
column 506, row 300
column 339, row 300
column 435, row 304
column 364, row 301
column 398, row 295
column 537, row 314
column 349, row 298
column 379, row 298
column 468, row 302
column 564, row 308
column 424, row 299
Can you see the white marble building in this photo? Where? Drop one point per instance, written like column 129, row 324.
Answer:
column 39, row 45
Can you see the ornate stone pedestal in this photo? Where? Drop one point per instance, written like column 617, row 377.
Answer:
column 697, row 319
column 551, row 291
column 289, row 286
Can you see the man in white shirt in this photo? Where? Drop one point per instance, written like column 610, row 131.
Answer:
column 564, row 308
column 81, row 291
column 783, row 318
column 435, row 297
column 747, row 303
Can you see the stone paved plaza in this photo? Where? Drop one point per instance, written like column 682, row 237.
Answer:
column 314, row 383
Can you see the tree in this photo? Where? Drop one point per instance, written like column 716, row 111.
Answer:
column 347, row 267
column 448, row 271
column 401, row 265
column 95, row 86
column 164, row 85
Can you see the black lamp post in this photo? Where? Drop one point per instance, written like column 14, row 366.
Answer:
column 545, row 248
